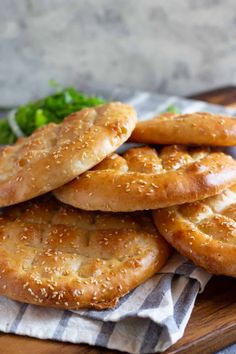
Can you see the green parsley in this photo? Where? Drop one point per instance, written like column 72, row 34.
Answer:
column 53, row 108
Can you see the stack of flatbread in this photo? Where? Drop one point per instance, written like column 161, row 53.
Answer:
column 82, row 226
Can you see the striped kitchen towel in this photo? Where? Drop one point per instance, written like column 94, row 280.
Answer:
column 149, row 319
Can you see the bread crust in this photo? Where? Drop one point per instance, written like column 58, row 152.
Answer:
column 54, row 255
column 204, row 231
column 56, row 153
column 145, row 178
column 189, row 129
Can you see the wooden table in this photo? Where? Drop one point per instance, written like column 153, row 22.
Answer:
column 212, row 325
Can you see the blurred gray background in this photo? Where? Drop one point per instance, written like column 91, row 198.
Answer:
column 167, row 46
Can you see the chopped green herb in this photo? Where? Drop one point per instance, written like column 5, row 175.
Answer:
column 6, row 134
column 173, row 109
column 40, row 118
column 53, row 108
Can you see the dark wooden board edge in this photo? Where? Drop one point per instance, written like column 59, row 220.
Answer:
column 225, row 96
column 212, row 325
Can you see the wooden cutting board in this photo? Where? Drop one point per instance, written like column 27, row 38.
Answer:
column 213, row 322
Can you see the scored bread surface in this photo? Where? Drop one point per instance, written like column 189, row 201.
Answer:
column 146, row 178
column 56, row 153
column 190, row 129
column 54, row 255
column 204, row 231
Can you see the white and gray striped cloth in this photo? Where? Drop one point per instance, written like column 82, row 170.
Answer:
column 149, row 319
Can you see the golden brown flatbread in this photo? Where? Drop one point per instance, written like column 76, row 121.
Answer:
column 54, row 255
column 188, row 129
column 204, row 231
column 145, row 178
column 56, row 153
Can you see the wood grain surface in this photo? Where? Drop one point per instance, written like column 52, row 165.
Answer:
column 213, row 322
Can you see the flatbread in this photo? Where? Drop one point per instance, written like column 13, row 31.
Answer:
column 204, row 231
column 188, row 129
column 146, row 178
column 54, row 255
column 56, row 153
